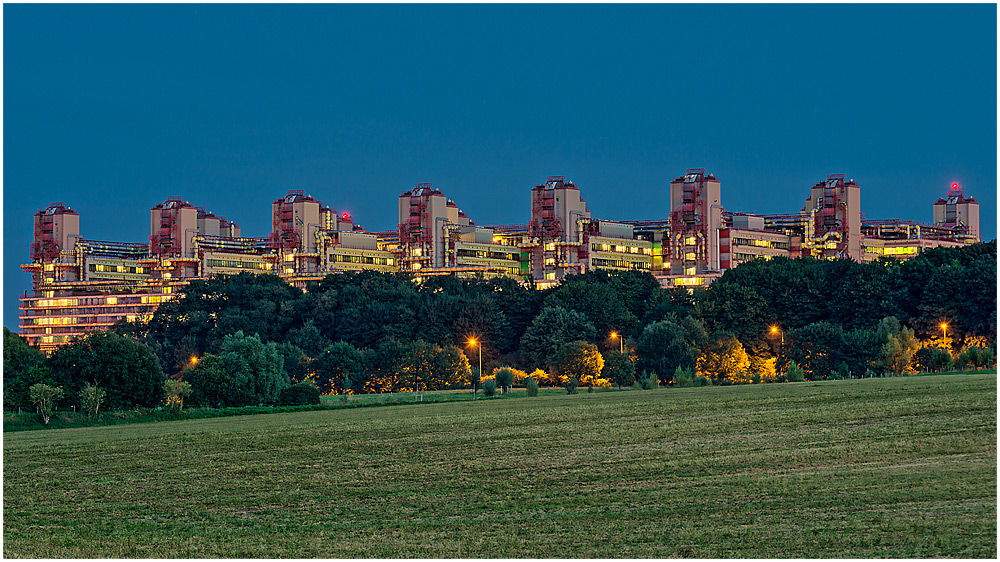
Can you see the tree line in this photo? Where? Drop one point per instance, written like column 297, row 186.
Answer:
column 764, row 321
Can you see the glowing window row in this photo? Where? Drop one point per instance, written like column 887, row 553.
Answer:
column 621, row 249
column 108, row 268
column 368, row 260
column 901, row 251
column 238, row 264
column 598, row 262
column 463, row 253
column 759, row 243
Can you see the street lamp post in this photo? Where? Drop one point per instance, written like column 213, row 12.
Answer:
column 777, row 330
column 474, row 343
column 944, row 328
column 621, row 343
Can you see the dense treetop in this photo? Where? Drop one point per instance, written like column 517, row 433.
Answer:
column 373, row 332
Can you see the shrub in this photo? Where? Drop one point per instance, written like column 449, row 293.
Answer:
column 531, row 385
column 649, row 381
column 489, row 387
column 301, row 394
column 702, row 380
column 248, row 372
column 571, row 384
column 794, row 373
column 91, row 398
column 504, row 377
column 619, row 369
column 843, row 371
column 683, row 377
column 545, row 379
column 176, row 392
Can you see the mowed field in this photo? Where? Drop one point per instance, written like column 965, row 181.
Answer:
column 902, row 467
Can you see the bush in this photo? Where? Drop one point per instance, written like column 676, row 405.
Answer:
column 619, row 369
column 794, row 373
column 544, row 379
column 490, row 387
column 504, row 377
column 683, row 377
column 176, row 392
column 91, row 398
column 571, row 384
column 301, row 394
column 247, row 373
column 532, row 386
column 702, row 380
column 649, row 381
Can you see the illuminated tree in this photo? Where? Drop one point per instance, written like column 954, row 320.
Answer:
column 580, row 360
column 763, row 368
column 724, row 359
column 546, row 378
column 898, row 346
column 451, row 368
column 176, row 392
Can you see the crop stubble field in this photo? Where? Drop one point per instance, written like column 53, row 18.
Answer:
column 900, row 467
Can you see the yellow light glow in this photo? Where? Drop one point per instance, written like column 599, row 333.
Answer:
column 472, row 341
column 614, row 334
column 944, row 326
column 774, row 329
column 194, row 360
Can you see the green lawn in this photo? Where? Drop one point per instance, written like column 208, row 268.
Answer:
column 900, row 467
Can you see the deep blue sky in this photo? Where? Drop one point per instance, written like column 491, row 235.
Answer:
column 113, row 108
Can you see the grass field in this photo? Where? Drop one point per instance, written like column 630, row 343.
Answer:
column 901, row 467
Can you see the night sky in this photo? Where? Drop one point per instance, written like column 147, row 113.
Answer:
column 113, row 108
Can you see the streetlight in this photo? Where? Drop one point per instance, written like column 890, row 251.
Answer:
column 194, row 360
column 944, row 327
column 621, row 343
column 473, row 343
column 777, row 330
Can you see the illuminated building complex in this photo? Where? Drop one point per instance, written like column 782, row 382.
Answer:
column 80, row 284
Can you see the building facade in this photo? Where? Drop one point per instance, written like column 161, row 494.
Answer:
column 80, row 284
